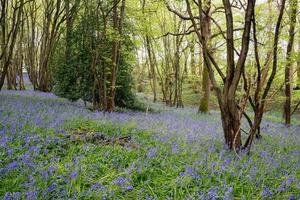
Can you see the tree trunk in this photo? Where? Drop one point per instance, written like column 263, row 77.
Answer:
column 255, row 126
column 10, row 39
column 298, row 63
column 261, row 98
column 152, row 68
column 288, row 87
column 193, row 62
column 206, row 33
column 118, row 27
column 31, row 51
column 51, row 25
column 204, row 101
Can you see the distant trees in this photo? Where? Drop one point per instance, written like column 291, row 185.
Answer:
column 166, row 48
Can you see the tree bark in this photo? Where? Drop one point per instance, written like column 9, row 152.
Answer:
column 260, row 99
column 31, row 52
column 9, row 39
column 206, row 33
column 118, row 27
column 298, row 62
column 152, row 68
column 51, row 24
column 288, row 88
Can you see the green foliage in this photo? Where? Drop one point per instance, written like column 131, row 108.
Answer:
column 74, row 78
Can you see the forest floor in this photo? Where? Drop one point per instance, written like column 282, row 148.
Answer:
column 51, row 148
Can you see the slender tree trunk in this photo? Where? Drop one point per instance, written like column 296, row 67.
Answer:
column 69, row 27
column 260, row 103
column 118, row 27
column 152, row 68
column 166, row 71
column 21, row 57
column 193, row 62
column 51, row 24
column 298, row 62
column 31, row 52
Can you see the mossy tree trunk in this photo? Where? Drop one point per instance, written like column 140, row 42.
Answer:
column 206, row 32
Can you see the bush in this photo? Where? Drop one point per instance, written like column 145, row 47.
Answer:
column 73, row 78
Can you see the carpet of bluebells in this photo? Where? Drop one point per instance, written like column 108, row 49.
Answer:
column 174, row 154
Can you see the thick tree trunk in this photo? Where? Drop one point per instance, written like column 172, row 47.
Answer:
column 204, row 101
column 10, row 39
column 231, row 122
column 206, row 33
column 3, row 24
column 288, row 88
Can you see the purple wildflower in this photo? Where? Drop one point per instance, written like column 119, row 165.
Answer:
column 13, row 165
column 129, row 188
column 74, row 174
column 95, row 186
column 266, row 192
column 174, row 149
column 51, row 188
column 121, row 181
column 151, row 153
column 31, row 195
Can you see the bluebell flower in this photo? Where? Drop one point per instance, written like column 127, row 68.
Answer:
column 228, row 194
column 44, row 174
column 31, row 195
column 51, row 188
column 51, row 169
column 212, row 193
column 129, row 188
column 7, row 196
column 120, row 181
column 13, row 165
column 74, row 174
column 174, row 149
column 266, row 192
column 151, row 153
column 95, row 186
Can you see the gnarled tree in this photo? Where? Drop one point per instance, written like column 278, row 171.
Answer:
column 227, row 98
